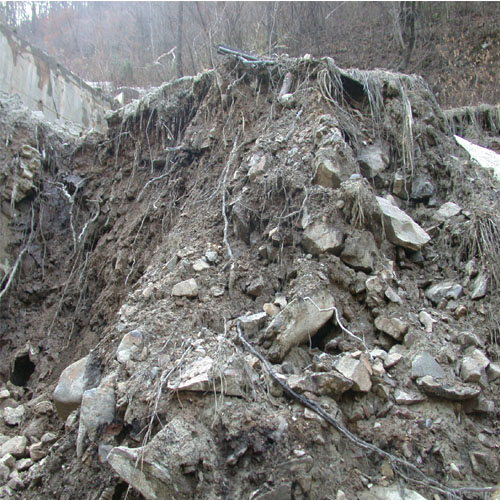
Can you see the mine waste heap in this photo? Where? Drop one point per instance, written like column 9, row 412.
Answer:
column 275, row 280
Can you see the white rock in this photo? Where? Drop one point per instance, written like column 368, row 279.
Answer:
column 69, row 391
column 400, row 228
column 14, row 416
column 474, row 366
column 426, row 319
column 8, row 460
column 252, row 323
column 357, row 370
column 493, row 372
column 130, row 346
column 187, row 288
column 390, row 493
column 299, row 322
column 24, row 464
column 200, row 265
column 392, row 360
column 320, row 237
column 15, row 446
column 447, row 210
column 393, row 327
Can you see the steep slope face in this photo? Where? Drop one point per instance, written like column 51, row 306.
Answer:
column 262, row 292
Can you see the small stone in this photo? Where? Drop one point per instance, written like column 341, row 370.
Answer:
column 452, row 392
column 49, row 438
column 187, row 288
column 4, row 473
column 255, row 287
column 358, row 371
column 321, row 238
column 426, row 319
column 24, row 464
column 374, row 284
column 406, row 398
column 445, row 290
column 460, row 311
column 400, row 228
column 4, row 394
column 455, row 471
column 425, row 365
column 16, row 446
column 37, row 451
column 493, row 372
column 340, row 495
column 422, row 188
column 393, row 327
column 147, row 293
column 200, row 265
column 270, row 309
column 280, row 301
column 360, row 251
column 8, row 460
column 16, row 483
column 479, row 287
column 253, row 323
column 211, row 256
column 130, row 346
column 257, row 165
column 43, row 408
column 372, row 161
column 217, row 291
column 446, row 211
column 392, row 359
column 393, row 296
column 474, row 366
column 14, row 416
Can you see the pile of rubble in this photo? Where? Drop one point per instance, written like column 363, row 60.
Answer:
column 294, row 296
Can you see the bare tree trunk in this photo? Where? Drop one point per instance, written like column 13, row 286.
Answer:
column 271, row 25
column 180, row 17
column 407, row 15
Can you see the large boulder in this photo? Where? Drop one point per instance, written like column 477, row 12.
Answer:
column 400, row 228
column 73, row 382
column 168, row 463
column 299, row 322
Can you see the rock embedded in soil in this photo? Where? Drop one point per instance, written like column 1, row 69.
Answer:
column 356, row 370
column 73, row 381
column 360, row 251
column 451, row 391
column 97, row 410
column 393, row 327
column 390, row 493
column 321, row 237
column 130, row 347
column 15, row 446
column 253, row 323
column 479, row 286
column 444, row 290
column 425, row 365
column 400, row 228
column 447, row 210
column 422, row 188
column 299, row 322
column 474, row 366
column 187, row 288
column 372, row 161
column 14, row 416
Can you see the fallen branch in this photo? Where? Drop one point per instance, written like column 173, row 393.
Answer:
column 396, row 462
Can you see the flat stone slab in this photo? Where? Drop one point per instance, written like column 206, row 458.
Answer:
column 453, row 392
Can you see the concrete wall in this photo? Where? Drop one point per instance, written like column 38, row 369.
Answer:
column 45, row 85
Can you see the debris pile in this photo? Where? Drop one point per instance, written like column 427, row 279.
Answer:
column 246, row 290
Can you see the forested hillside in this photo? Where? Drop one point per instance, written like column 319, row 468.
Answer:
column 455, row 46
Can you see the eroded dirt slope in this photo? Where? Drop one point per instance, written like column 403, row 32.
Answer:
column 337, row 229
